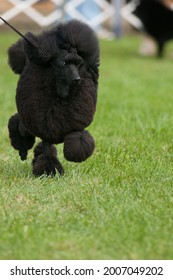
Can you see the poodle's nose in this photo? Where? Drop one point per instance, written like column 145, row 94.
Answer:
column 76, row 79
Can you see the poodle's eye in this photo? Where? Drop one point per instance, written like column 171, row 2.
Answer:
column 63, row 63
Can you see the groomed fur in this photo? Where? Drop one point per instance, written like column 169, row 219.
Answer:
column 17, row 58
column 78, row 146
column 46, row 163
column 80, row 37
column 19, row 142
column 57, row 91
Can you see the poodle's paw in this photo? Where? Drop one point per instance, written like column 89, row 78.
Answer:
column 20, row 141
column 47, row 165
column 39, row 149
column 78, row 146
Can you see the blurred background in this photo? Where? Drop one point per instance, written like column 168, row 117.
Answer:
column 109, row 18
column 102, row 15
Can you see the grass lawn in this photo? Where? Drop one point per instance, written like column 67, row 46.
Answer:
column 119, row 203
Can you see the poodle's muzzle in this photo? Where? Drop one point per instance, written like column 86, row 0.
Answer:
column 75, row 74
column 70, row 79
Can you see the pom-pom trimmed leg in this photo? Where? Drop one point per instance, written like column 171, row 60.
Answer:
column 20, row 139
column 78, row 146
column 45, row 161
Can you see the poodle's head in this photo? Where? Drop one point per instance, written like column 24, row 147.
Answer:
column 69, row 50
column 67, row 70
column 62, row 59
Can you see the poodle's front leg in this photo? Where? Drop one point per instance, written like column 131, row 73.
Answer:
column 45, row 160
column 20, row 139
column 78, row 146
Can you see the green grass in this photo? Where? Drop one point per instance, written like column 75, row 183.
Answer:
column 116, row 205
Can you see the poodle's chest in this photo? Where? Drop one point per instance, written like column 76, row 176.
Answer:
column 74, row 115
column 52, row 119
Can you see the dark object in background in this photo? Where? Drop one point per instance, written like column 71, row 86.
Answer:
column 56, row 94
column 157, row 20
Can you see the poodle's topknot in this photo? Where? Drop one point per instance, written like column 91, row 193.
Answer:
column 82, row 38
column 16, row 57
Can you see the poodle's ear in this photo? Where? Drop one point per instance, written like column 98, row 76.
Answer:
column 16, row 57
column 94, row 71
column 33, row 51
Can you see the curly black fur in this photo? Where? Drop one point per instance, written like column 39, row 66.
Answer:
column 21, row 140
column 56, row 93
column 78, row 146
column 45, row 158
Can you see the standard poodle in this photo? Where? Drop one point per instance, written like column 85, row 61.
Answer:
column 56, row 94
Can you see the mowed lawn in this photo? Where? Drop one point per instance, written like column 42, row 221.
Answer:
column 119, row 203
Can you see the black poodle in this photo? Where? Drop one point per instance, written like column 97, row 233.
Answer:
column 56, row 94
column 157, row 20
